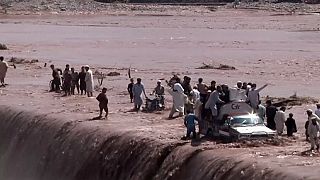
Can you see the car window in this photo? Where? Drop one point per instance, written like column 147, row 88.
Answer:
column 245, row 121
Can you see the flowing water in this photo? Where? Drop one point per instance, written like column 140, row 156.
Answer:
column 40, row 147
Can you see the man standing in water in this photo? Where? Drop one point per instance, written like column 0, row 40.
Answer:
column 103, row 102
column 203, row 89
column 137, row 90
column 89, row 81
column 253, row 95
column 75, row 81
column 82, row 78
column 67, row 80
column 159, row 89
column 56, row 82
column 313, row 130
column 280, row 119
column 3, row 71
column 271, row 113
column 130, row 86
column 213, row 102
column 179, row 99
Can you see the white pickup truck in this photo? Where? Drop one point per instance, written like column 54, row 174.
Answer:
column 236, row 120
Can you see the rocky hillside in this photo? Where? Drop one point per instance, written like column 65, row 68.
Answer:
column 109, row 6
column 51, row 5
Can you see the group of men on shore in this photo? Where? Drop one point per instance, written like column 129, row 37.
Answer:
column 82, row 82
column 72, row 80
column 135, row 91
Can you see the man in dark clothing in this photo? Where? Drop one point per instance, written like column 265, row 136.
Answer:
column 55, row 85
column 67, row 79
column 306, row 125
column 186, row 85
column 75, row 81
column 212, row 86
column 82, row 77
column 103, row 102
column 245, row 87
column 270, row 113
column 291, row 125
column 130, row 86
column 225, row 95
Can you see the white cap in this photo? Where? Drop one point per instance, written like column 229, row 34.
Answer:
column 159, row 81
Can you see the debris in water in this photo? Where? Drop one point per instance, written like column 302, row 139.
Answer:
column 113, row 73
column 219, row 67
column 292, row 101
column 3, row 47
column 22, row 61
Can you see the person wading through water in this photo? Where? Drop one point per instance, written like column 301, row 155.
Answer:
column 75, row 81
column 137, row 90
column 89, row 81
column 3, row 71
column 82, row 78
column 129, row 89
column 56, row 82
column 103, row 102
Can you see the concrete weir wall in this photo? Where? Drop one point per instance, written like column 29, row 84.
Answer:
column 41, row 148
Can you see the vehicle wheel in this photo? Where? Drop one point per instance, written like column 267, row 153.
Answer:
column 209, row 132
column 229, row 139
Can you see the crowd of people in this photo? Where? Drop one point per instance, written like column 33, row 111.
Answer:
column 81, row 81
column 71, row 80
column 203, row 102
column 198, row 102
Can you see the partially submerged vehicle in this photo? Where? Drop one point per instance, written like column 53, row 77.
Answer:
column 236, row 120
column 155, row 103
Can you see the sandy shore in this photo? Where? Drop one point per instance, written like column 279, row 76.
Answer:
column 264, row 47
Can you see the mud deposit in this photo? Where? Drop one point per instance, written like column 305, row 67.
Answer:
column 40, row 147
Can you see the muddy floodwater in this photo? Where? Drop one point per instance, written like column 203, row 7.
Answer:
column 46, row 136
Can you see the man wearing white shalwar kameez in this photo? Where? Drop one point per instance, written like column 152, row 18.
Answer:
column 237, row 93
column 313, row 131
column 212, row 102
column 196, row 100
column 253, row 95
column 3, row 70
column 179, row 99
column 137, row 91
column 89, row 81
column 280, row 119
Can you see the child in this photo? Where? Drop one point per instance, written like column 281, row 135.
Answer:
column 189, row 122
column 291, row 125
column 313, row 130
column 130, row 87
column 103, row 102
